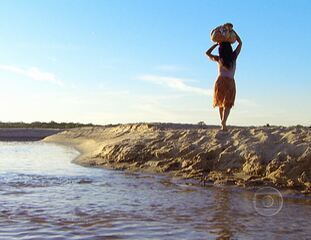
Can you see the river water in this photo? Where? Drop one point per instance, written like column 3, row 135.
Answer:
column 44, row 196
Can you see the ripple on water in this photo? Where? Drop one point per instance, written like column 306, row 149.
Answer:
column 19, row 180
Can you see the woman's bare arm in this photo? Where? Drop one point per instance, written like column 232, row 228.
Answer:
column 209, row 53
column 238, row 48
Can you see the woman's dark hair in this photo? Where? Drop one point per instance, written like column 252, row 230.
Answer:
column 226, row 54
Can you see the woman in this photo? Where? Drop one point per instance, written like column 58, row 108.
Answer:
column 224, row 89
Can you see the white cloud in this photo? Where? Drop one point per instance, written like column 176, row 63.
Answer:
column 176, row 84
column 32, row 73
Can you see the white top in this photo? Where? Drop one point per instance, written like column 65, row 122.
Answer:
column 223, row 71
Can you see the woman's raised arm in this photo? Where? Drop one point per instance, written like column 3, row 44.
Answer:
column 209, row 53
column 238, row 48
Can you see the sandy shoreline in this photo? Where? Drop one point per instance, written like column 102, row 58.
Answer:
column 246, row 156
column 25, row 134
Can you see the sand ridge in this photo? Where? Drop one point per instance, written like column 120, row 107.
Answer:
column 279, row 156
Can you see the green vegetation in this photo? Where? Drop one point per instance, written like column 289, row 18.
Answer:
column 52, row 124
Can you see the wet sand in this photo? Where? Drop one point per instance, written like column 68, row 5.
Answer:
column 245, row 156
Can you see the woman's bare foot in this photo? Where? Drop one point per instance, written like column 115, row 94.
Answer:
column 223, row 126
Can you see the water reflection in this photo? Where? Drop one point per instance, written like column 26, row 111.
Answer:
column 221, row 221
column 43, row 195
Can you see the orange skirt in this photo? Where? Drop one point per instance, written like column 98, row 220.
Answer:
column 224, row 92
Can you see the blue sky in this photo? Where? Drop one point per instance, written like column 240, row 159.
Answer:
column 123, row 61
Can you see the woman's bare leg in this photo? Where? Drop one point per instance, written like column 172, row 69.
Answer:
column 226, row 113
column 221, row 111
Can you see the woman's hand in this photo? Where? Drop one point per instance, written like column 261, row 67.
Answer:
column 237, row 36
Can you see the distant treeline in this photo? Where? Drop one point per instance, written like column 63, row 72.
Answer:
column 52, row 124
